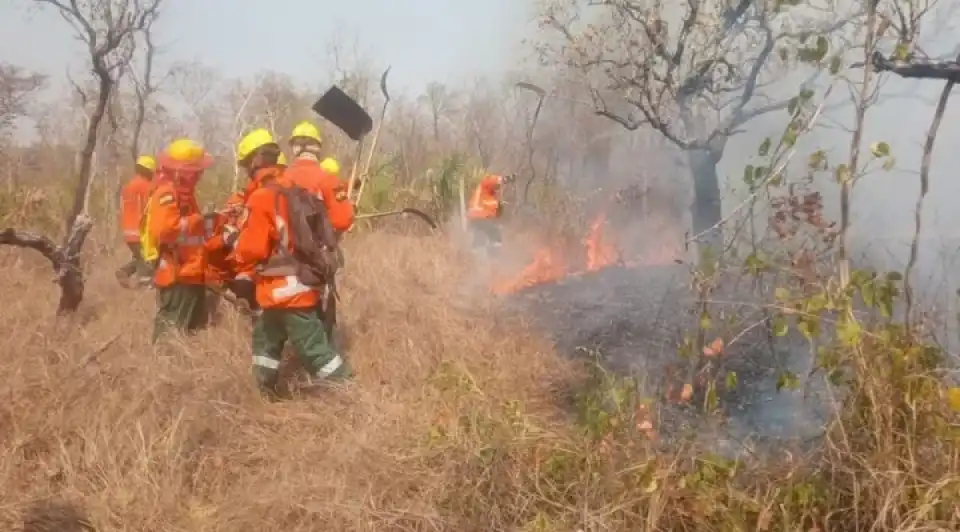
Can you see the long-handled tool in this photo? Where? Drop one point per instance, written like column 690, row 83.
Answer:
column 373, row 145
column 531, row 168
column 341, row 110
column 418, row 213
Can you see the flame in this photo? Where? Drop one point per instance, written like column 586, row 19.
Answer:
column 600, row 253
column 548, row 264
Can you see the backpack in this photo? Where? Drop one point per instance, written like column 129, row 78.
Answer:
column 314, row 257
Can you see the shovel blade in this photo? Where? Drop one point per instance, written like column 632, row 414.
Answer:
column 342, row 111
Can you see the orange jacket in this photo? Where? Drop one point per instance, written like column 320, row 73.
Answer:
column 306, row 173
column 133, row 201
column 237, row 201
column 219, row 266
column 259, row 238
column 180, row 230
column 485, row 201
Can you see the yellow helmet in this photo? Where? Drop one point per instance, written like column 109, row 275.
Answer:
column 147, row 162
column 254, row 140
column 306, row 130
column 185, row 151
column 282, row 159
column 330, row 165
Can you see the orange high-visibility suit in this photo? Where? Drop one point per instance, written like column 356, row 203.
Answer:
column 133, row 200
column 181, row 234
column 260, row 235
column 180, row 231
column 239, row 279
column 306, row 172
column 484, row 210
column 485, row 200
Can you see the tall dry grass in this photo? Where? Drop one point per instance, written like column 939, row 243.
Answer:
column 176, row 438
column 461, row 418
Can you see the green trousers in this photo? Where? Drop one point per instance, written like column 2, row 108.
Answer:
column 181, row 307
column 303, row 328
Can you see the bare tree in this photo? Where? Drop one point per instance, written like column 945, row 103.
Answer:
column 107, row 28
column 17, row 87
column 439, row 100
column 697, row 82
column 144, row 83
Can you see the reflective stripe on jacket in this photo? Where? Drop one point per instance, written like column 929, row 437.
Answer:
column 180, row 231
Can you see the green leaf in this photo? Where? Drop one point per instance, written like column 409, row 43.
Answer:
column 894, row 276
column 731, row 380
column 889, row 163
column 787, row 380
column 880, row 149
column 780, row 326
column 759, row 172
column 765, row 147
column 755, row 263
column 748, row 175
column 705, row 322
column 809, row 327
column 868, row 293
column 843, row 174
column 823, row 46
column 901, row 52
column 835, row 64
column 848, row 331
column 790, row 137
column 818, row 160
column 781, row 293
column 816, row 303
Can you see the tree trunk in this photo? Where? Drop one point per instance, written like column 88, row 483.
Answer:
column 706, row 212
column 86, row 156
column 65, row 259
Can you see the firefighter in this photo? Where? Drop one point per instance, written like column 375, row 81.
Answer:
column 288, row 307
column 320, row 178
column 133, row 201
column 174, row 222
column 486, row 208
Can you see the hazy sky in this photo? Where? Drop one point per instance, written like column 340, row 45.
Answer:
column 423, row 40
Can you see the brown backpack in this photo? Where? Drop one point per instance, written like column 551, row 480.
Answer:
column 314, row 257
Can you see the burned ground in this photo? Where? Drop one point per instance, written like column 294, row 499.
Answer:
column 634, row 319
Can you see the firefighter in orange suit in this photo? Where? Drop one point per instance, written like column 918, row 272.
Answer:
column 288, row 307
column 133, row 200
column 176, row 223
column 485, row 209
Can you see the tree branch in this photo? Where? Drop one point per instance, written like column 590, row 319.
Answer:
column 917, row 68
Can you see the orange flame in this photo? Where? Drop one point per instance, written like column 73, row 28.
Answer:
column 548, row 264
column 600, row 253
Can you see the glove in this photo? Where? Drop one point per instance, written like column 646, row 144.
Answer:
column 230, row 235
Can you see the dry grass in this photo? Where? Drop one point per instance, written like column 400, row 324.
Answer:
column 178, row 439
column 459, row 419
